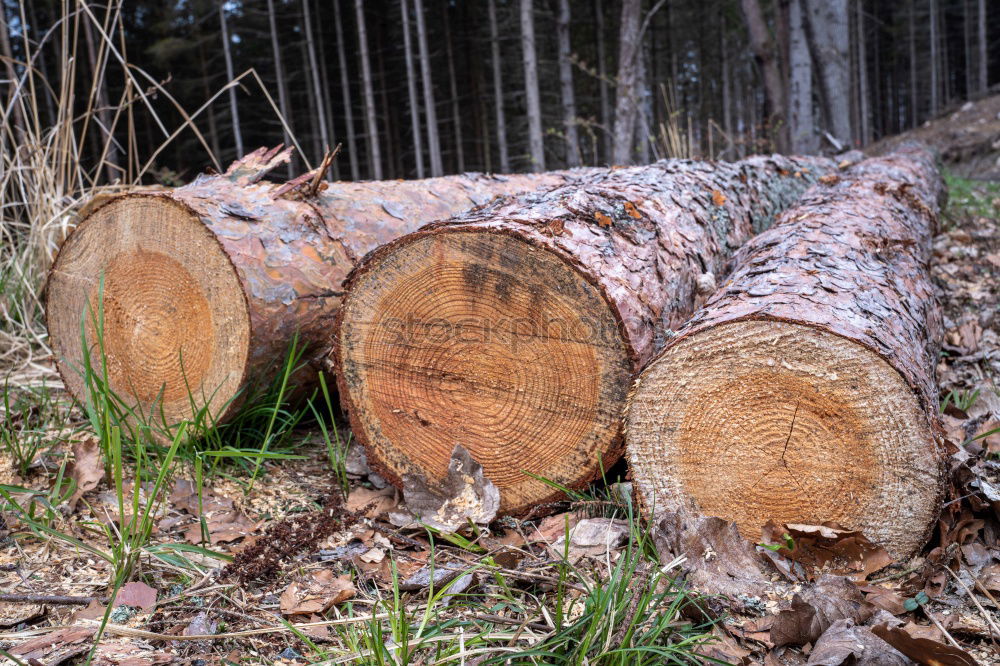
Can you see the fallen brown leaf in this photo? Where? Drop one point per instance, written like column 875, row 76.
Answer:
column 827, row 549
column 846, row 643
column 88, row 468
column 816, row 608
column 137, row 595
column 923, row 650
column 316, row 594
column 373, row 503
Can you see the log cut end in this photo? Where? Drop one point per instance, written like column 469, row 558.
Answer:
column 482, row 339
column 766, row 420
column 175, row 320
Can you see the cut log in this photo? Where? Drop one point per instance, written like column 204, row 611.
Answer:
column 205, row 285
column 515, row 329
column 804, row 390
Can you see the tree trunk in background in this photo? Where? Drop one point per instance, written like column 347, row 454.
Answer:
column 914, row 88
column 828, row 28
column 602, row 75
column 430, row 110
column 498, row 89
column 933, row 51
column 536, row 145
column 804, row 390
column 628, row 71
column 230, row 75
column 103, row 107
column 983, row 58
column 766, row 53
column 312, row 131
column 456, row 117
column 804, row 140
column 321, row 101
column 566, row 84
column 224, row 271
column 371, row 125
column 411, row 87
column 8, row 62
column 287, row 126
column 864, row 101
column 345, row 91
column 547, row 304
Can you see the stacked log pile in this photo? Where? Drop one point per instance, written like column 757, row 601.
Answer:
column 804, row 390
column 801, row 390
column 204, row 286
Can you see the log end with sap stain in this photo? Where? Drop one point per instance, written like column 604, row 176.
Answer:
column 173, row 317
column 485, row 340
column 804, row 392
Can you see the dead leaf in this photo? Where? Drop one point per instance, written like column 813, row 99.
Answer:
column 316, row 594
column 553, row 527
column 816, row 608
column 373, row 503
column 200, row 625
column 923, row 650
column 846, row 643
column 591, row 537
column 464, row 495
column 137, row 595
column 884, row 598
column 827, row 549
column 88, row 468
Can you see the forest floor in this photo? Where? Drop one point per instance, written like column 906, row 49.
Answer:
column 212, row 565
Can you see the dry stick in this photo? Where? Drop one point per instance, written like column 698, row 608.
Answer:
column 53, row 599
column 994, row 630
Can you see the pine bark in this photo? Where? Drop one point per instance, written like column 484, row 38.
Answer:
column 536, row 144
column 283, row 254
column 546, row 304
column 815, row 367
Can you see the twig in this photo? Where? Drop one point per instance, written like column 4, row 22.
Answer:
column 324, row 166
column 898, row 574
column 994, row 630
column 121, row 630
column 940, row 627
column 52, row 599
